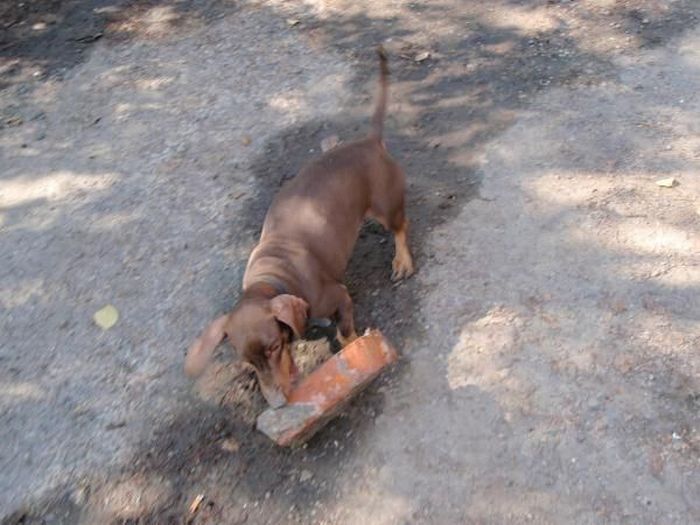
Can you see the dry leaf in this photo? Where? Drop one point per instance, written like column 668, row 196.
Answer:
column 305, row 476
column 291, row 22
column 669, row 182
column 196, row 502
column 106, row 317
column 420, row 57
column 230, row 445
column 329, row 142
column 14, row 121
column 656, row 463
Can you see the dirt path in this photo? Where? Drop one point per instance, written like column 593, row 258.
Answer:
column 550, row 338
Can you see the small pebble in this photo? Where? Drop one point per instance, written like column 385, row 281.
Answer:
column 305, row 475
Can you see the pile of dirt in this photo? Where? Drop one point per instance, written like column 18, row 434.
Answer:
column 232, row 383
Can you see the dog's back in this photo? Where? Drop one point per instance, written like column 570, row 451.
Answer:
column 324, row 206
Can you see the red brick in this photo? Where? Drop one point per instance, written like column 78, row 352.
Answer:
column 323, row 393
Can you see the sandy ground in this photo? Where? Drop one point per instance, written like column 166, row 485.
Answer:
column 550, row 341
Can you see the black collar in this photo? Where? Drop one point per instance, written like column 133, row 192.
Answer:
column 276, row 284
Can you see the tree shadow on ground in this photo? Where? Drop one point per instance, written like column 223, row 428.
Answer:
column 438, row 142
column 45, row 39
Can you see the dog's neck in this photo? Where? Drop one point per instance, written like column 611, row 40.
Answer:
column 267, row 287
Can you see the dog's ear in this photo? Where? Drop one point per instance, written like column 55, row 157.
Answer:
column 292, row 311
column 199, row 354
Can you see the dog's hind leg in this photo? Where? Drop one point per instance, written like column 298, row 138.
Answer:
column 402, row 265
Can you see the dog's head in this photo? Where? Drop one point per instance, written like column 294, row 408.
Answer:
column 261, row 330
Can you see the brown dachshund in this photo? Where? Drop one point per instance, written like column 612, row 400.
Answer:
column 297, row 268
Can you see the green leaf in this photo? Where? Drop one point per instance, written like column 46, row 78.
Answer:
column 106, row 317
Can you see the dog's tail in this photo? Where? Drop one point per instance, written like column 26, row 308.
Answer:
column 380, row 110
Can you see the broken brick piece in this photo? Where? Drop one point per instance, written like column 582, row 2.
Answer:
column 323, row 393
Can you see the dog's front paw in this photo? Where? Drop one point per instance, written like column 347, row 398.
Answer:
column 345, row 341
